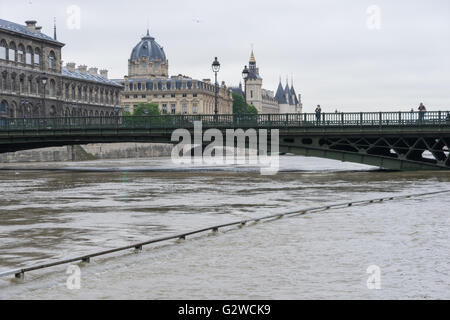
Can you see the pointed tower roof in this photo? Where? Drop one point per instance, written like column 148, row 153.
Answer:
column 280, row 96
column 252, row 58
column 287, row 91
column 54, row 29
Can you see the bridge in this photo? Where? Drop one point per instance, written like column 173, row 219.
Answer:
column 391, row 140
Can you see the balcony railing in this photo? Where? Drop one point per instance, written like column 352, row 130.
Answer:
column 351, row 119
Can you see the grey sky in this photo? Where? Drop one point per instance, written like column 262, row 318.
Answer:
column 335, row 59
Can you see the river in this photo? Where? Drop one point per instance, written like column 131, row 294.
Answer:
column 48, row 214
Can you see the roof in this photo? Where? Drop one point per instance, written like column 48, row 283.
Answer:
column 88, row 77
column 171, row 83
column 280, row 95
column 22, row 29
column 288, row 91
column 149, row 48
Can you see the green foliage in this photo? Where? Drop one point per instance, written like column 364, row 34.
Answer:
column 146, row 109
column 239, row 105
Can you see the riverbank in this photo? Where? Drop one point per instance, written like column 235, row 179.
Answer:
column 88, row 152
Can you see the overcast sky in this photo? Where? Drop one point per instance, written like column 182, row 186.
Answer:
column 334, row 50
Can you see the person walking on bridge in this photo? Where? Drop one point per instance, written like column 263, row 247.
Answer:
column 318, row 114
column 422, row 111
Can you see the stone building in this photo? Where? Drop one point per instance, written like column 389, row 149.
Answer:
column 148, row 81
column 27, row 58
column 284, row 101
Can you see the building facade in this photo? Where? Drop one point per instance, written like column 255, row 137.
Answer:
column 148, row 81
column 34, row 83
column 284, row 101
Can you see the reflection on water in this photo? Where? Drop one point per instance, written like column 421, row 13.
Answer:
column 51, row 214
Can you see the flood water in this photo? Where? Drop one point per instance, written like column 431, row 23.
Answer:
column 46, row 215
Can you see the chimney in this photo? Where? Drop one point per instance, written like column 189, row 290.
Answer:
column 93, row 71
column 31, row 25
column 70, row 66
column 104, row 73
column 82, row 69
column 38, row 29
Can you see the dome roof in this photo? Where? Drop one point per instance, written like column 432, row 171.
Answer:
column 148, row 47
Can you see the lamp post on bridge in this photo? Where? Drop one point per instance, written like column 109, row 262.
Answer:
column 44, row 79
column 215, row 68
column 245, row 73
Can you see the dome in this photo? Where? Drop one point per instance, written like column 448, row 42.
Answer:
column 148, row 47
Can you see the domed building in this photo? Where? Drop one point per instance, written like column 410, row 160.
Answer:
column 148, row 81
column 148, row 60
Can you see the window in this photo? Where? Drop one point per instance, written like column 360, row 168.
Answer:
column 184, row 108
column 127, row 108
column 194, row 95
column 164, row 108
column 163, row 96
column 135, row 96
column 184, row 95
column 51, row 89
column 20, row 54
column 172, row 95
column 155, row 96
column 37, row 55
column 251, row 93
column 51, row 60
column 3, row 106
column 127, row 96
column 28, row 55
column 3, row 49
column 12, row 52
column 173, row 108
column 194, row 108
column 144, row 96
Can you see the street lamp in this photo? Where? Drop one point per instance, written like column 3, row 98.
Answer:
column 245, row 73
column 44, row 79
column 215, row 68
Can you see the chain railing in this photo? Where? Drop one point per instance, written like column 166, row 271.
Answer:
column 348, row 119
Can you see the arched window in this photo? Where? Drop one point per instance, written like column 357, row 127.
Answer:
column 12, row 52
column 3, row 49
column 28, row 55
column 30, row 85
column 51, row 60
column 37, row 55
column 52, row 111
column 3, row 106
column 51, row 88
column 21, row 54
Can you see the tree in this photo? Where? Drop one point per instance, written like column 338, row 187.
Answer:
column 146, row 109
column 239, row 105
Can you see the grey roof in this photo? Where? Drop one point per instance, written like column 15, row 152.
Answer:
column 280, row 96
column 149, row 48
column 171, row 83
column 288, row 92
column 88, row 77
column 15, row 27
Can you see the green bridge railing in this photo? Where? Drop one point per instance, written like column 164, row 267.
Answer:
column 381, row 119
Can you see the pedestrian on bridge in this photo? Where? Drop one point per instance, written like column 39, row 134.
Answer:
column 422, row 111
column 318, row 114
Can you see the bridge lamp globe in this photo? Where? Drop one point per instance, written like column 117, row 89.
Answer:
column 245, row 73
column 215, row 65
column 44, row 79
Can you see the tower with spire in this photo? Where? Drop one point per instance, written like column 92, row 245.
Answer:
column 285, row 99
column 254, row 84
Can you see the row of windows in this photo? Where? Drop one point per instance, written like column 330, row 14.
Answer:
column 26, row 56
column 154, row 86
column 172, row 109
column 35, row 86
column 184, row 95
